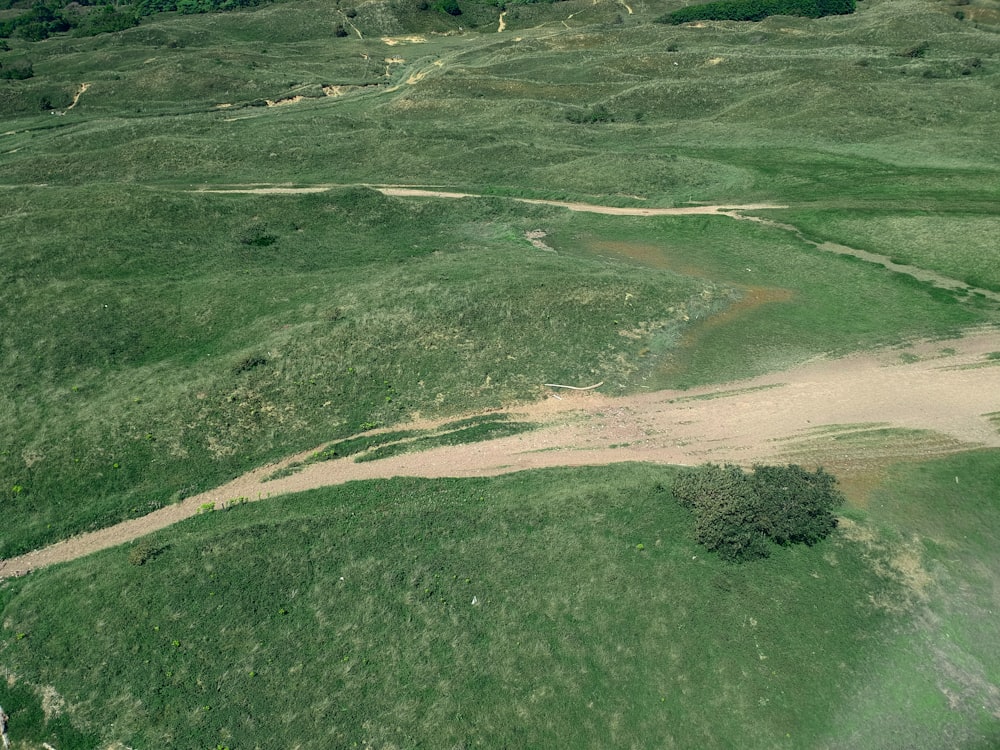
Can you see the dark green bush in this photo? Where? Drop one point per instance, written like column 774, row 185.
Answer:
column 757, row 10
column 596, row 114
column 107, row 20
column 795, row 506
column 448, row 6
column 914, row 50
column 740, row 515
column 18, row 72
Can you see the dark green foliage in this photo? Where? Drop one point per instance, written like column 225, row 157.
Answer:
column 596, row 114
column 914, row 50
column 57, row 16
column 257, row 236
column 250, row 363
column 727, row 518
column 38, row 23
column 707, row 484
column 739, row 515
column 18, row 72
column 795, row 506
column 757, row 10
column 107, row 20
column 448, row 6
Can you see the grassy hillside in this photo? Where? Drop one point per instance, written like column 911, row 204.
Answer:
column 565, row 607
column 173, row 340
column 356, row 308
column 157, row 339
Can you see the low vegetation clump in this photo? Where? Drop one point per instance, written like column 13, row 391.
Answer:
column 758, row 10
column 742, row 516
column 85, row 19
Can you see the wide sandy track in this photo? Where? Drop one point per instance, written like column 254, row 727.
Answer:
column 925, row 399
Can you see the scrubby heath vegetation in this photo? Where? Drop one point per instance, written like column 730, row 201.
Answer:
column 741, row 516
column 157, row 339
column 758, row 10
column 242, row 328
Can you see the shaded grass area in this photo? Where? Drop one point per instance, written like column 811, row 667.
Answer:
column 564, row 607
column 162, row 347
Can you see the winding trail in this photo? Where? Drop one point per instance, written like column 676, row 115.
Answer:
column 76, row 98
column 929, row 398
column 733, row 211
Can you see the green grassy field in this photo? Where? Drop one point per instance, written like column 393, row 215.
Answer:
column 565, row 607
column 156, row 341
column 203, row 335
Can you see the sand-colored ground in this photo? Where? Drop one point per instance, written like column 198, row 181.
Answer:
column 927, row 398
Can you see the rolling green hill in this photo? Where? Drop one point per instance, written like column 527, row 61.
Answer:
column 158, row 338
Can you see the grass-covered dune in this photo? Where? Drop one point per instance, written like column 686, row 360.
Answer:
column 563, row 607
column 170, row 340
column 157, row 339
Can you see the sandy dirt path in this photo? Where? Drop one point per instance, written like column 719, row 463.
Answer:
column 945, row 389
column 725, row 209
column 733, row 211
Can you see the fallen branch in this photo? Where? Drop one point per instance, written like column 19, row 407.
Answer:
column 573, row 387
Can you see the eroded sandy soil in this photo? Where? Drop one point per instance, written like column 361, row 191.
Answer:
column 928, row 398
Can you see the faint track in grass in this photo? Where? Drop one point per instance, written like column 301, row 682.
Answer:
column 731, row 210
column 944, row 392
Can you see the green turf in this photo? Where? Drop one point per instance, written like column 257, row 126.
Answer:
column 174, row 353
column 943, row 515
column 156, row 341
column 960, row 245
column 566, row 607
column 205, row 334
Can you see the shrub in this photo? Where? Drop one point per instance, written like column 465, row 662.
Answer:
column 257, row 236
column 18, row 72
column 795, row 506
column 250, row 363
column 914, row 50
column 142, row 552
column 757, row 10
column 108, row 20
column 448, row 6
column 596, row 114
column 739, row 515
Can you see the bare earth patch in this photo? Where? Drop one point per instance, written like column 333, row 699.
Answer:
column 935, row 389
